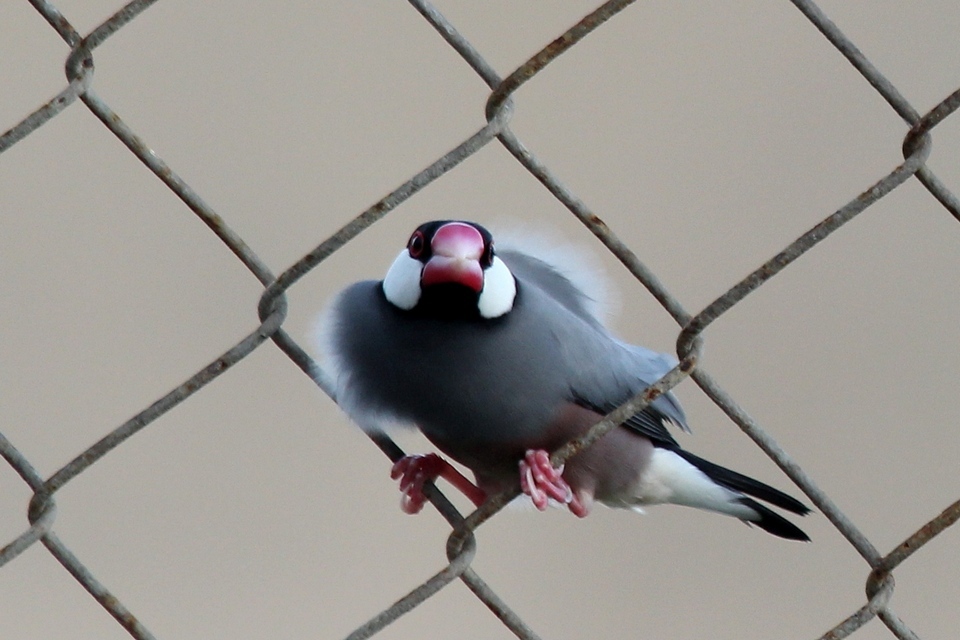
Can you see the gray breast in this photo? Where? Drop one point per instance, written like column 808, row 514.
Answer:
column 468, row 381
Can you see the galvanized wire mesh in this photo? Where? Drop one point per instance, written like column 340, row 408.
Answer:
column 461, row 546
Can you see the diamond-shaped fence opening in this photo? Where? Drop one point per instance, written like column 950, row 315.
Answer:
column 919, row 165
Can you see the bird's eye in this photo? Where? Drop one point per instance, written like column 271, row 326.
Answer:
column 416, row 245
column 487, row 258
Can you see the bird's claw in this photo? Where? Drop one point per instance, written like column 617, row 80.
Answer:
column 413, row 472
column 416, row 470
column 541, row 481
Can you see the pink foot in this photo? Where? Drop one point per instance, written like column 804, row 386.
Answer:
column 414, row 471
column 540, row 481
column 580, row 504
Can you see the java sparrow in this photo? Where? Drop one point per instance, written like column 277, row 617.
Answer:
column 498, row 358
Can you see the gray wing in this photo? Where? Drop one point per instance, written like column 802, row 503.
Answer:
column 628, row 370
column 651, row 366
column 608, row 372
column 553, row 283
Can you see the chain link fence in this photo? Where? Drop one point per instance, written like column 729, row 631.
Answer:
column 462, row 544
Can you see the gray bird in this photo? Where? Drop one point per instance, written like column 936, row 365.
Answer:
column 499, row 359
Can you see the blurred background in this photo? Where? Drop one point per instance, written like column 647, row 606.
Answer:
column 708, row 135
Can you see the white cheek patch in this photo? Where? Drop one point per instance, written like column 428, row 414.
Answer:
column 402, row 282
column 499, row 290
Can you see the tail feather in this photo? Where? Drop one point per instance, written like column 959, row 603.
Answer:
column 774, row 523
column 745, row 484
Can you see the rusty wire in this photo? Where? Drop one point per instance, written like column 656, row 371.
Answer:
column 461, row 545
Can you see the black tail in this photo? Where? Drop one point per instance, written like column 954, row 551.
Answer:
column 774, row 523
column 744, row 484
column 769, row 521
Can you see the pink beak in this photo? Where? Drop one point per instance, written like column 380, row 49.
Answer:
column 457, row 248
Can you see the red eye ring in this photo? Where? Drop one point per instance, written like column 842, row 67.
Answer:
column 416, row 245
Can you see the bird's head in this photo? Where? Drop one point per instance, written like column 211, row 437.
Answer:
column 450, row 268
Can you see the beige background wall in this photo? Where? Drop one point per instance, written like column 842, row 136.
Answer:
column 707, row 134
